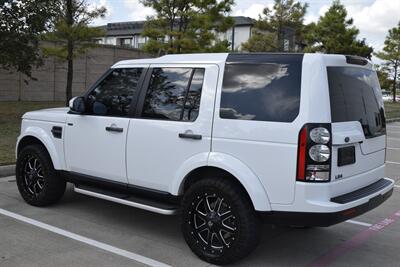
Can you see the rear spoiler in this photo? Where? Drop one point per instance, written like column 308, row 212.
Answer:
column 356, row 60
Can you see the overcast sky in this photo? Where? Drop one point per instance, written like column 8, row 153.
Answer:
column 372, row 17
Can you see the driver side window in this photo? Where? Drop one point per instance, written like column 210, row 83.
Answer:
column 114, row 95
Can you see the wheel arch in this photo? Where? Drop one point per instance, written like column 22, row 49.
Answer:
column 43, row 139
column 230, row 168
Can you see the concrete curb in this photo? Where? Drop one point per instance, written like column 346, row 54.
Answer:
column 8, row 170
column 392, row 120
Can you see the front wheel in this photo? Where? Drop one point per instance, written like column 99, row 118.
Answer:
column 38, row 182
column 218, row 221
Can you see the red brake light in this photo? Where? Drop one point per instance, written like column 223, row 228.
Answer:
column 301, row 157
column 314, row 153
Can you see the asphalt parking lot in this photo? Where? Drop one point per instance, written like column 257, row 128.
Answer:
column 83, row 231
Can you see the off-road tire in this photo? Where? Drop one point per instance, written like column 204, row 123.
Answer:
column 51, row 187
column 238, row 244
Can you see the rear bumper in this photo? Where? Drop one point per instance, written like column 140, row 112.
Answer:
column 360, row 202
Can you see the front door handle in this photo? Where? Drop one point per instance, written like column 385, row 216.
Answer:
column 190, row 136
column 113, row 128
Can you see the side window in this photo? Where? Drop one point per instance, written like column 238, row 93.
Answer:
column 113, row 96
column 261, row 91
column 192, row 104
column 173, row 94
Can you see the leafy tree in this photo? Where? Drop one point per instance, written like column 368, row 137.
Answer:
column 391, row 55
column 335, row 34
column 272, row 28
column 184, row 26
column 72, row 34
column 21, row 23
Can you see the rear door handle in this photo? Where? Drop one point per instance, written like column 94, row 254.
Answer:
column 190, row 136
column 114, row 129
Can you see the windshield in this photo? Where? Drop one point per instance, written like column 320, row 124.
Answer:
column 355, row 95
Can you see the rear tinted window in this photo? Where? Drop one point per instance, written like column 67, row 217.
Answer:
column 355, row 95
column 174, row 94
column 262, row 91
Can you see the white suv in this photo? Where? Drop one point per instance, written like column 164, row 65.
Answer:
column 226, row 140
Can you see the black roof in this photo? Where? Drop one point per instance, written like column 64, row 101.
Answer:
column 243, row 21
column 136, row 27
column 260, row 58
column 124, row 28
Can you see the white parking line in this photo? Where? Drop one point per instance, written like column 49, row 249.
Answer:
column 393, row 162
column 393, row 148
column 359, row 223
column 397, row 186
column 88, row 241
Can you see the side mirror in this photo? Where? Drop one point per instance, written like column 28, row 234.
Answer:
column 77, row 105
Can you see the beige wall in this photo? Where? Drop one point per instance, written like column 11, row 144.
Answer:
column 51, row 77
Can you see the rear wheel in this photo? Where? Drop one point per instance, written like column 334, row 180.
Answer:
column 219, row 222
column 38, row 182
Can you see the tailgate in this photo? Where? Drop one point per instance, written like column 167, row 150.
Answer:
column 358, row 154
column 358, row 121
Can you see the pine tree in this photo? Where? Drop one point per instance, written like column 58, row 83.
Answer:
column 73, row 35
column 391, row 55
column 272, row 28
column 184, row 26
column 383, row 73
column 335, row 34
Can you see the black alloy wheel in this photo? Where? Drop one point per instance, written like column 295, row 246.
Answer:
column 219, row 222
column 33, row 175
column 213, row 223
column 38, row 182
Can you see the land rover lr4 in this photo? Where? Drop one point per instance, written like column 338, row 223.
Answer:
column 226, row 140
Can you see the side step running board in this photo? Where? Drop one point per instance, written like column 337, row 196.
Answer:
column 136, row 202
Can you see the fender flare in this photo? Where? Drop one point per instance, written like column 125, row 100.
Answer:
column 245, row 176
column 232, row 165
column 46, row 140
column 192, row 163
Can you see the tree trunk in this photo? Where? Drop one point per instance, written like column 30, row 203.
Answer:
column 171, row 28
column 70, row 72
column 394, row 83
column 178, row 48
column 70, row 53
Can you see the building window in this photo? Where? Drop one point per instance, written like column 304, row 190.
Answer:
column 110, row 41
column 126, row 42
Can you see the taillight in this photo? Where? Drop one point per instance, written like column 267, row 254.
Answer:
column 302, row 153
column 314, row 153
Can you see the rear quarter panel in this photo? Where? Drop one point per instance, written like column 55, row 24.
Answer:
column 269, row 149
